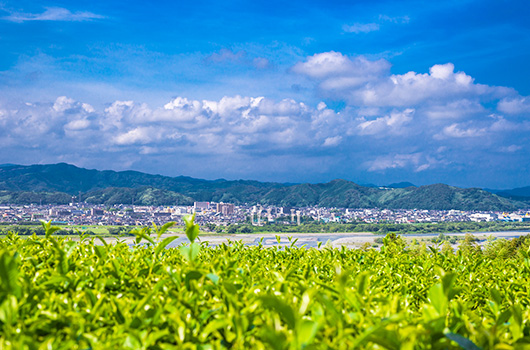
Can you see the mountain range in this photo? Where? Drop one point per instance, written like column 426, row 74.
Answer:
column 59, row 183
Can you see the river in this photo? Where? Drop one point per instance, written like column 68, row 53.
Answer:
column 313, row 240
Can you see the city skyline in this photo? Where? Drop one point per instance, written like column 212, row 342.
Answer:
column 372, row 92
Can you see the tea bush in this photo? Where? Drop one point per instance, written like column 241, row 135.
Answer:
column 56, row 293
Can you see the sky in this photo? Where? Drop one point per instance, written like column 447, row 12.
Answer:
column 375, row 92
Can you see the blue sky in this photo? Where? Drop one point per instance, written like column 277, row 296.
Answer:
column 300, row 91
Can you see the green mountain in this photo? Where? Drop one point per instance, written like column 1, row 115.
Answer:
column 521, row 193
column 68, row 178
column 445, row 197
column 57, row 183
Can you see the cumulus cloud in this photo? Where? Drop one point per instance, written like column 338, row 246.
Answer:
column 515, row 105
column 332, row 141
column 364, row 83
column 392, row 123
column 78, row 124
column 455, row 109
column 232, row 124
column 458, row 131
column 416, row 121
column 434, row 115
column 141, row 135
column 53, row 14
column 333, row 64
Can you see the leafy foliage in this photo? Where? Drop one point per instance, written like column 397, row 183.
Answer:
column 62, row 294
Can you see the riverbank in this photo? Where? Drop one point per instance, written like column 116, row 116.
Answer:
column 316, row 240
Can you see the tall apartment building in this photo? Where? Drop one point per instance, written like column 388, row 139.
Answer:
column 225, row 208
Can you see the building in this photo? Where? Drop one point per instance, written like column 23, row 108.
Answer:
column 96, row 212
column 225, row 208
column 200, row 206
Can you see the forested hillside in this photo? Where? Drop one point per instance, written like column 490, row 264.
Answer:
column 57, row 183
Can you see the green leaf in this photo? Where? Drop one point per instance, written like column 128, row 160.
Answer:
column 190, row 252
column 503, row 317
column 192, row 229
column 164, row 228
column 143, row 234
column 48, row 228
column 164, row 244
column 103, row 241
column 307, row 331
column 285, row 310
column 516, row 322
column 194, row 251
column 387, row 339
column 437, row 298
column 496, row 296
column 101, row 252
column 464, row 343
column 9, row 275
column 363, row 281
column 190, row 276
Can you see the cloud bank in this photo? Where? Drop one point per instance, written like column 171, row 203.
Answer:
column 412, row 123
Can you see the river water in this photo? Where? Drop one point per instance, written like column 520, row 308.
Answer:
column 313, row 240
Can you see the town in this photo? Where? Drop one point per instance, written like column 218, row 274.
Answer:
column 224, row 214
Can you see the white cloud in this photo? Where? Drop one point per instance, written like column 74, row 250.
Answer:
column 511, row 148
column 332, row 141
column 63, row 103
column 397, row 161
column 455, row 109
column 442, row 71
column 88, row 108
column 514, row 105
column 458, row 131
column 501, row 124
column 360, row 28
column 53, row 14
column 374, row 26
column 334, row 64
column 368, row 83
column 78, row 124
column 141, row 135
column 392, row 123
column 418, row 137
column 230, row 124
column 396, row 19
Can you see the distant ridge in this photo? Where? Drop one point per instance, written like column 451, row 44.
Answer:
column 57, row 183
column 401, row 185
column 519, row 194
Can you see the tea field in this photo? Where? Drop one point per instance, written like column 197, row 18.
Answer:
column 56, row 293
